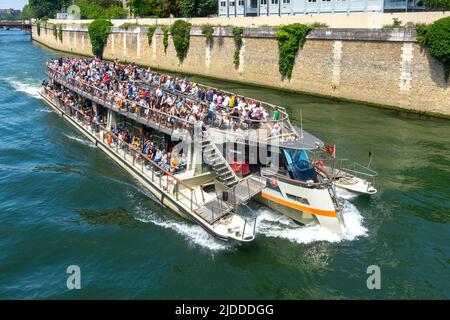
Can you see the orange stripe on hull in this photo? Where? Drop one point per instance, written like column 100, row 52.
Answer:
column 299, row 207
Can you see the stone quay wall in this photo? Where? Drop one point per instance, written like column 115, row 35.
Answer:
column 383, row 67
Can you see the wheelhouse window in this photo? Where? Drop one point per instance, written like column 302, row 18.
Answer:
column 298, row 199
column 298, row 165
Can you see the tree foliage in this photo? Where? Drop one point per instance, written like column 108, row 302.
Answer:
column 180, row 31
column 107, row 9
column 27, row 13
column 437, row 4
column 290, row 38
column 436, row 37
column 47, row 8
column 177, row 8
column 99, row 30
column 198, row 8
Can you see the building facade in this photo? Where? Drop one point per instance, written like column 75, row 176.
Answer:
column 241, row 8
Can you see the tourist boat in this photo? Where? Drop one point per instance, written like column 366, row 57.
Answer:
column 271, row 161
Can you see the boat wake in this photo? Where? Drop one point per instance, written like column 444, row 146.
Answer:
column 27, row 85
column 274, row 225
column 80, row 140
column 195, row 234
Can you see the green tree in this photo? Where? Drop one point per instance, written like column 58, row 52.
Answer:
column 47, row 8
column 27, row 13
column 437, row 4
column 115, row 12
column 198, row 8
column 143, row 8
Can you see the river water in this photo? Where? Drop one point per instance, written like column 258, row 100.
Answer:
column 63, row 202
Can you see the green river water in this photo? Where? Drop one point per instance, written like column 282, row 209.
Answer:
column 63, row 202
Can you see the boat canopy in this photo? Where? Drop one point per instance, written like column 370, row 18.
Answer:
column 303, row 141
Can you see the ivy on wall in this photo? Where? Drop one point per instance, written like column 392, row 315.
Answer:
column 150, row 32
column 436, row 38
column 165, row 31
column 55, row 31
column 38, row 28
column 181, row 34
column 237, row 36
column 208, row 31
column 99, row 30
column 290, row 38
column 60, row 33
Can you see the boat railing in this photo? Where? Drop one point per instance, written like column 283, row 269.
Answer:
column 356, row 169
column 113, row 101
column 238, row 122
column 145, row 113
column 156, row 174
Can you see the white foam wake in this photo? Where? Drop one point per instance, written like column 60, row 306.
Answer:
column 80, row 140
column 345, row 194
column 276, row 225
column 27, row 85
column 193, row 233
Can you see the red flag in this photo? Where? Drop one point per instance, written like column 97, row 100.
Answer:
column 331, row 150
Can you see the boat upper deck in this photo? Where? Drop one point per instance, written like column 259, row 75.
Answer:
column 175, row 106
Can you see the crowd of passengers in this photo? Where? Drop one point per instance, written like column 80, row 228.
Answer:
column 126, row 89
column 168, row 160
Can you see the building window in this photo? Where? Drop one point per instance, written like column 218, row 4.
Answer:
column 326, row 0
column 232, row 4
column 223, row 3
column 311, row 1
column 241, row 3
column 286, row 1
column 274, row 1
column 263, row 1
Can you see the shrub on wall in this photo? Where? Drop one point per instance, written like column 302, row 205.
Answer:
column 290, row 38
column 38, row 28
column 237, row 36
column 436, row 37
column 151, row 32
column 99, row 30
column 181, row 33
column 165, row 31
column 208, row 31
column 60, row 33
